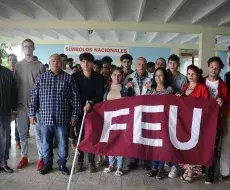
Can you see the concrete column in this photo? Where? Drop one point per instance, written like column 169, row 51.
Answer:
column 207, row 49
column 176, row 50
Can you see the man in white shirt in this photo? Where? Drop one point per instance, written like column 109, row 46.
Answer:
column 218, row 90
column 136, row 81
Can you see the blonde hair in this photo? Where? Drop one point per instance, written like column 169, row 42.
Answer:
column 143, row 59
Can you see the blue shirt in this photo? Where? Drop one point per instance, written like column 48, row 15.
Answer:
column 57, row 99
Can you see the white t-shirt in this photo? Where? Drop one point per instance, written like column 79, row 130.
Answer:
column 213, row 87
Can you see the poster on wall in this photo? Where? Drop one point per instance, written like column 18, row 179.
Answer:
column 115, row 53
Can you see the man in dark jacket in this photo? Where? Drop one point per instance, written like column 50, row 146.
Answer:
column 91, row 88
column 8, row 107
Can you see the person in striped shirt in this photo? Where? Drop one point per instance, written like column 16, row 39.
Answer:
column 56, row 97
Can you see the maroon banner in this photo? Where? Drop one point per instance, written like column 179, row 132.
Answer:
column 164, row 128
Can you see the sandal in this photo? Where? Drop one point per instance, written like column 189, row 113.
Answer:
column 119, row 173
column 186, row 178
column 108, row 170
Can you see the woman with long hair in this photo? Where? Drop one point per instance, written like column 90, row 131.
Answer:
column 196, row 90
column 159, row 87
column 116, row 91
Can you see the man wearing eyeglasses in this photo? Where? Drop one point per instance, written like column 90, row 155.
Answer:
column 26, row 72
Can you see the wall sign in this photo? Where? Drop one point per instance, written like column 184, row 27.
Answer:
column 96, row 50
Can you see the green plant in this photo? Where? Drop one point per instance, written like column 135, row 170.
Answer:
column 5, row 48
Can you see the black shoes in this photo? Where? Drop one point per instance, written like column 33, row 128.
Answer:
column 46, row 169
column 64, row 170
column 7, row 169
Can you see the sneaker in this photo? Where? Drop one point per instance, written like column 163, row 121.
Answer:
column 152, row 173
column 173, row 172
column 119, row 172
column 161, row 174
column 92, row 168
column 40, row 165
column 109, row 169
column 46, row 169
column 18, row 145
column 23, row 163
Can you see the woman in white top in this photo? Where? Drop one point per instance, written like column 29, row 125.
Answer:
column 116, row 91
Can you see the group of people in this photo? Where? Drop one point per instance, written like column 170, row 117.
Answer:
column 53, row 99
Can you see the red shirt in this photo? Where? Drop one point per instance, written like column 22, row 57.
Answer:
column 200, row 91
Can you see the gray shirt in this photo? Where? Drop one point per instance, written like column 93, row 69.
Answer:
column 25, row 76
column 177, row 82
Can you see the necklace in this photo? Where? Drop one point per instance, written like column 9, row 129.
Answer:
column 191, row 87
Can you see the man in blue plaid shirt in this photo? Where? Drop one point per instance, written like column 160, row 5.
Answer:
column 57, row 98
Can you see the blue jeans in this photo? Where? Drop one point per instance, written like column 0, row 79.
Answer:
column 158, row 164
column 112, row 160
column 62, row 133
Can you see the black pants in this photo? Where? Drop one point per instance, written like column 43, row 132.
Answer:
column 91, row 157
column 4, row 139
column 210, row 171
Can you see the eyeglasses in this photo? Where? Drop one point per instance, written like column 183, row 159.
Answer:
column 28, row 47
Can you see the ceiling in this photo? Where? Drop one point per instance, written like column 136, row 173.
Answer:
column 56, row 21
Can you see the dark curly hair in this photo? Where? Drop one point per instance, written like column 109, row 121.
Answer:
column 216, row 59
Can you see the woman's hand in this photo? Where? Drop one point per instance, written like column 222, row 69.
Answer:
column 148, row 84
column 87, row 107
column 129, row 85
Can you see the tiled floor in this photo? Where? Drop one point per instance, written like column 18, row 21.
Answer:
column 30, row 179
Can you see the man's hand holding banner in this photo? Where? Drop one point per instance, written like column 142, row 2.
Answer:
column 164, row 128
